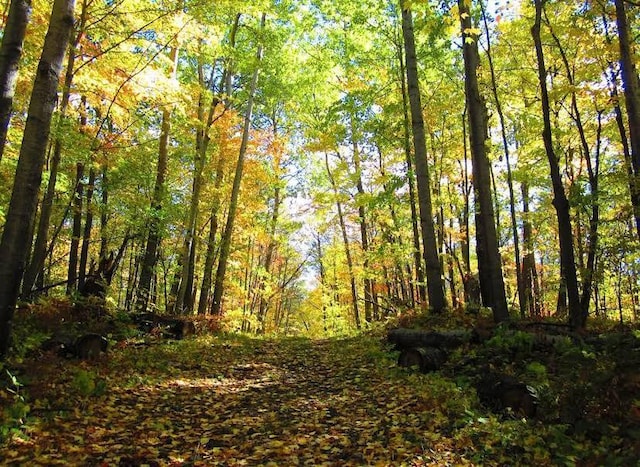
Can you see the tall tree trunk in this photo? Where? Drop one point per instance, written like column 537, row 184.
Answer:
column 632, row 100
column 505, row 145
column 271, row 246
column 104, row 217
column 16, row 239
column 88, row 226
column 76, row 231
column 529, row 273
column 567, row 259
column 225, row 245
column 153, row 240
column 362, row 217
column 347, row 249
column 10, row 53
column 225, row 88
column 489, row 262
column 36, row 264
column 593, row 172
column 417, row 257
column 435, row 286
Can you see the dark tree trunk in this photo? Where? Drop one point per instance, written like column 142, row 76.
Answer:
column 489, row 262
column 560, row 202
column 505, row 145
column 76, row 231
column 153, row 241
column 88, row 225
column 417, row 257
column 16, row 238
column 435, row 286
column 36, row 264
column 10, row 53
column 529, row 273
column 632, row 100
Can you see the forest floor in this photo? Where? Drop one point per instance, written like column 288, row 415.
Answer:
column 233, row 400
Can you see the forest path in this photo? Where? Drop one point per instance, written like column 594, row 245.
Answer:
column 234, row 401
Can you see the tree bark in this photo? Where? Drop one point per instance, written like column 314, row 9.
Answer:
column 568, row 266
column 76, row 231
column 235, row 190
column 10, row 53
column 505, row 145
column 16, row 239
column 88, row 226
column 153, row 241
column 417, row 257
column 225, row 88
column 593, row 172
column 362, row 217
column 489, row 262
column 435, row 286
column 632, row 100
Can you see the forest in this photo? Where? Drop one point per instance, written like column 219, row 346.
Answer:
column 221, row 196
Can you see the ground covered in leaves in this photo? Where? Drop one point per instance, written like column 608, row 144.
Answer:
column 230, row 400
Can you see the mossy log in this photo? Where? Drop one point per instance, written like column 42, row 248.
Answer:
column 426, row 359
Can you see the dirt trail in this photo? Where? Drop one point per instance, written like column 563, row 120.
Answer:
column 234, row 402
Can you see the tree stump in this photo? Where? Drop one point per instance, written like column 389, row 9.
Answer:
column 425, row 358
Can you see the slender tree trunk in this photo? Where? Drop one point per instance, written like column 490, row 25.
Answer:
column 568, row 266
column 88, row 226
column 225, row 85
column 529, row 274
column 435, row 286
column 275, row 214
column 76, row 231
column 347, row 249
column 153, row 241
column 104, row 217
column 632, row 100
column 183, row 302
column 16, row 239
column 10, row 53
column 593, row 172
column 417, row 257
column 489, row 262
column 235, row 190
column 505, row 145
column 362, row 217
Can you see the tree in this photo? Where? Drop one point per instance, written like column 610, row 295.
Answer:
column 235, row 191
column 489, row 261
column 154, row 237
column 577, row 318
column 435, row 286
column 10, row 53
column 16, row 237
column 632, row 99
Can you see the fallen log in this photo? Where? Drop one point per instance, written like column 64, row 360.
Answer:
column 415, row 338
column 425, row 358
